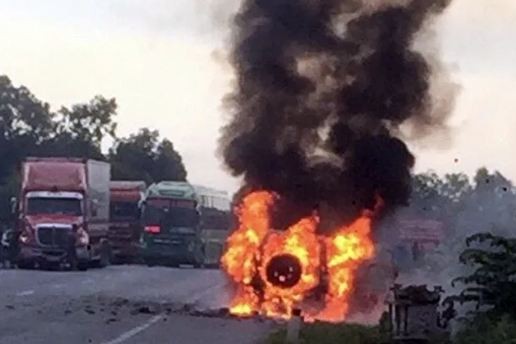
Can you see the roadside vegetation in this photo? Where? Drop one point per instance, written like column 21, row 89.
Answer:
column 490, row 288
column 321, row 333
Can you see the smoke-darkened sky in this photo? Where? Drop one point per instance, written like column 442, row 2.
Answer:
column 164, row 62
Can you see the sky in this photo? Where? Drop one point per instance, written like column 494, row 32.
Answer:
column 163, row 60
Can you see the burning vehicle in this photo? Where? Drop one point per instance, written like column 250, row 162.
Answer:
column 288, row 268
column 325, row 94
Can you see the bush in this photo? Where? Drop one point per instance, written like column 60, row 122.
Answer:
column 488, row 330
column 322, row 333
column 492, row 287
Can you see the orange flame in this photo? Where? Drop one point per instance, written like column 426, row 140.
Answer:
column 345, row 252
column 242, row 254
column 331, row 260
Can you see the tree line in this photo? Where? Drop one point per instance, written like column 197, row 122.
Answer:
column 29, row 127
column 487, row 201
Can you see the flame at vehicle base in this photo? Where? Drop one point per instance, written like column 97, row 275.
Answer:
column 277, row 271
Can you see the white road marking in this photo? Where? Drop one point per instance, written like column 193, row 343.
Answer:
column 25, row 293
column 131, row 333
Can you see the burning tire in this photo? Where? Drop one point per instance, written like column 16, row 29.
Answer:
column 277, row 271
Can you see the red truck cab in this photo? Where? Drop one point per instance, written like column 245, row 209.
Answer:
column 125, row 225
column 63, row 213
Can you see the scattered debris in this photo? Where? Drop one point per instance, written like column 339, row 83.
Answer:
column 144, row 309
column 115, row 307
column 210, row 313
column 119, row 302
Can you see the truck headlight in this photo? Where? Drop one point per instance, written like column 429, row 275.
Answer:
column 82, row 237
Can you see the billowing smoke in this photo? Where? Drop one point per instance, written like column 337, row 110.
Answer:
column 322, row 89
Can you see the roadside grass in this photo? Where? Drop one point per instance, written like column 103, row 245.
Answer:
column 488, row 330
column 482, row 330
column 324, row 333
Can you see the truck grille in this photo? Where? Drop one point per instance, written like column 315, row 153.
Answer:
column 55, row 237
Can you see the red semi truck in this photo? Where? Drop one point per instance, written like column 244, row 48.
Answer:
column 125, row 228
column 63, row 213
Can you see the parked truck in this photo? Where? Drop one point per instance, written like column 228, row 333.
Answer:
column 184, row 224
column 125, row 226
column 63, row 213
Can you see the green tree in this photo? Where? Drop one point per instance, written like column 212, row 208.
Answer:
column 79, row 131
column 143, row 156
column 491, row 287
column 22, row 114
column 25, row 122
column 168, row 163
column 29, row 128
column 90, row 122
column 492, row 284
column 439, row 197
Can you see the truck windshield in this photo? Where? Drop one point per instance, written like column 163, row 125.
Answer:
column 124, row 211
column 165, row 213
column 54, row 206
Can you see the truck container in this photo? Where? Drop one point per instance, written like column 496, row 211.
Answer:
column 125, row 226
column 63, row 213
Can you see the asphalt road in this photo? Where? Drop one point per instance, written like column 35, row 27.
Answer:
column 120, row 304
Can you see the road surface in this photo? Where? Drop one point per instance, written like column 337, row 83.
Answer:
column 120, row 305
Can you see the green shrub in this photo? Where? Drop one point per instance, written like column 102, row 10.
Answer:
column 322, row 333
column 488, row 330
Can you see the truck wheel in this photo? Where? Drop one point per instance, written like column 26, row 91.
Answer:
column 105, row 256
column 213, row 266
column 82, row 266
column 200, row 259
column 150, row 262
column 76, row 265
column 25, row 265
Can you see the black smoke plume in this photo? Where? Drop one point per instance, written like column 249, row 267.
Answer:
column 322, row 88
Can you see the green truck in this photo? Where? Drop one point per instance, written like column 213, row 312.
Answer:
column 184, row 224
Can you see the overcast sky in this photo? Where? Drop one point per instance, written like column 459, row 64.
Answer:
column 162, row 60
